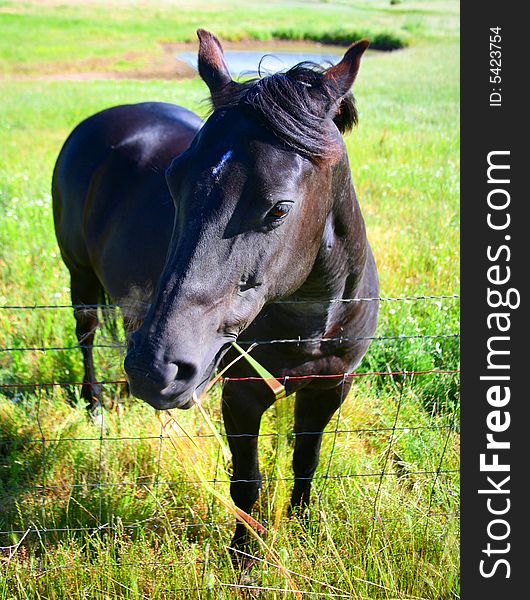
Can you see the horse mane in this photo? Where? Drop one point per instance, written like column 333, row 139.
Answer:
column 295, row 105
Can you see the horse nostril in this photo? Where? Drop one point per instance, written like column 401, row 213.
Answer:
column 185, row 371
column 148, row 376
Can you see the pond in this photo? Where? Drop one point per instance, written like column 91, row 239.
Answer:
column 246, row 62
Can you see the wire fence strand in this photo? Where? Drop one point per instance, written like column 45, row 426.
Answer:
column 50, row 306
column 251, row 378
column 299, row 340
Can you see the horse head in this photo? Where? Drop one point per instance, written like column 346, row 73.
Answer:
column 252, row 194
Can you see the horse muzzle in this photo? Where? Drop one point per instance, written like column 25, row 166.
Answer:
column 163, row 386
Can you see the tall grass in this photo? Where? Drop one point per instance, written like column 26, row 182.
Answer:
column 127, row 519
column 158, row 524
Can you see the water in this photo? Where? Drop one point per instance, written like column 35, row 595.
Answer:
column 243, row 62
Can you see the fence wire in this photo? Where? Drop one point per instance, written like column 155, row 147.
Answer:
column 50, row 306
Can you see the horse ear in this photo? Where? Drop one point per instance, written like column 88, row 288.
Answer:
column 343, row 74
column 212, row 65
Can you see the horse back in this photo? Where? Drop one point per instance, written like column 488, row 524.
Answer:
column 112, row 209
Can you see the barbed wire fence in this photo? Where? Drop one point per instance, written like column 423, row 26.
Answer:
column 40, row 527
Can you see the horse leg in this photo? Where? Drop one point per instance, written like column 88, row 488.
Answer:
column 86, row 290
column 243, row 407
column 313, row 411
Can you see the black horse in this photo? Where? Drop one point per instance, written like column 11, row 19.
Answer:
column 243, row 227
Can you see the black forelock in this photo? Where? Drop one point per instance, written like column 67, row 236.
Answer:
column 295, row 105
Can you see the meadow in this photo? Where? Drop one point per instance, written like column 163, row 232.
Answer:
column 115, row 511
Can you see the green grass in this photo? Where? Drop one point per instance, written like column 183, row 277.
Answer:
column 404, row 159
column 37, row 37
column 176, row 528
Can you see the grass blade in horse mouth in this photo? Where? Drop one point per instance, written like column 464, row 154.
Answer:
column 198, row 401
column 277, row 388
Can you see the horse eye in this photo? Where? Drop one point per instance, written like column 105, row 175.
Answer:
column 280, row 210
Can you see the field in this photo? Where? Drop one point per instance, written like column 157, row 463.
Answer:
column 116, row 511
